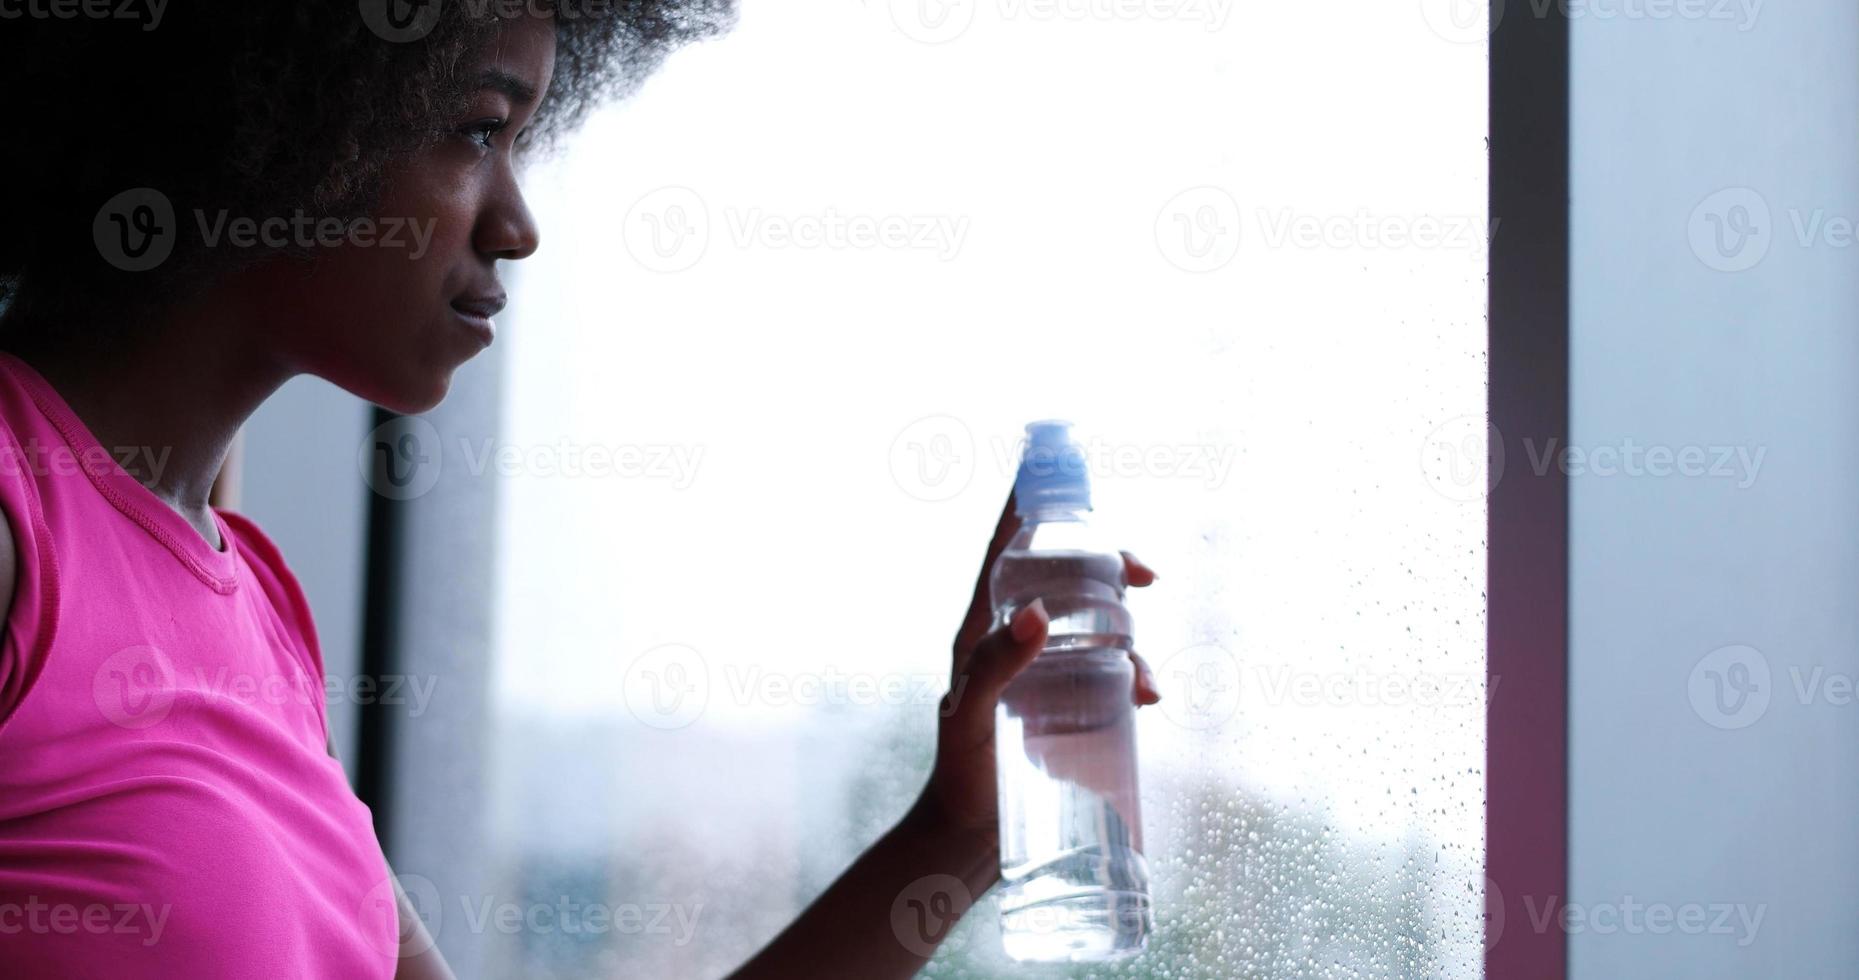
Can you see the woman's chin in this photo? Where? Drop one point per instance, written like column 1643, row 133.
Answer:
column 406, row 394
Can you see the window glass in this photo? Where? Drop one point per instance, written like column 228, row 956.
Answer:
column 765, row 380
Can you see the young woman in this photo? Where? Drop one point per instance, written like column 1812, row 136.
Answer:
column 202, row 200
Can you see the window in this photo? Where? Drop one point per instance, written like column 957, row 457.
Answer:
column 758, row 436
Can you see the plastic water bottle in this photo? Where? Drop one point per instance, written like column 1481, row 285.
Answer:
column 1074, row 885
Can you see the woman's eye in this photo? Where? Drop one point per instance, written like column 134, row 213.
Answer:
column 482, row 131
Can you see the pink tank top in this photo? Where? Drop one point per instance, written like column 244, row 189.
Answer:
column 167, row 804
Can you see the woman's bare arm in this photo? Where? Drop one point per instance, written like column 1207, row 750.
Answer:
column 885, row 916
column 420, row 958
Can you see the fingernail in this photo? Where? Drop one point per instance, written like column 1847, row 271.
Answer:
column 1029, row 622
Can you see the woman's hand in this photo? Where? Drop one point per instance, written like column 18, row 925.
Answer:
column 961, row 791
column 946, row 849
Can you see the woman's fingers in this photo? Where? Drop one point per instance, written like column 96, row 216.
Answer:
column 980, row 606
column 1144, row 689
column 1138, row 573
column 968, row 710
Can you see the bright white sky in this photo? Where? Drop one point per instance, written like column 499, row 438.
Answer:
column 1043, row 162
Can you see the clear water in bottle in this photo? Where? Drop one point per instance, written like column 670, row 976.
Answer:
column 1074, row 887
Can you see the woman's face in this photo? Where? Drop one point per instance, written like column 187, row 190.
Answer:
column 391, row 319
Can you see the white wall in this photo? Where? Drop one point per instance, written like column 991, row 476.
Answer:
column 1684, row 793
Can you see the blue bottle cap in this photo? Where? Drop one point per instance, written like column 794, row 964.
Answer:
column 1053, row 473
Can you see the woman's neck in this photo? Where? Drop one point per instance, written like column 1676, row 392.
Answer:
column 166, row 402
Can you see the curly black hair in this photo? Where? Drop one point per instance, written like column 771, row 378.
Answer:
column 256, row 107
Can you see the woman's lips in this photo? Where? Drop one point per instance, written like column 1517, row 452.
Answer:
column 476, row 312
